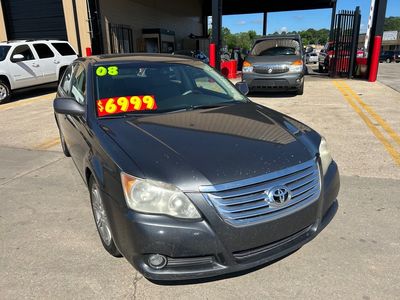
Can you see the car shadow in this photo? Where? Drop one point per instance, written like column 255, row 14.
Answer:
column 272, row 94
column 25, row 94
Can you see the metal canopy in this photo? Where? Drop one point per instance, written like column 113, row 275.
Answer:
column 232, row 7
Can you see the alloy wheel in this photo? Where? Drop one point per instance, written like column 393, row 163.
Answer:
column 100, row 216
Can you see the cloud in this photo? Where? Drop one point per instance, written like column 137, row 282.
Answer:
column 242, row 22
column 283, row 29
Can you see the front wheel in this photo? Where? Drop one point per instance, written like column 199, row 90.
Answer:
column 388, row 60
column 4, row 92
column 101, row 218
column 320, row 68
column 300, row 90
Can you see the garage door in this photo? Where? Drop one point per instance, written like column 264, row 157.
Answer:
column 34, row 19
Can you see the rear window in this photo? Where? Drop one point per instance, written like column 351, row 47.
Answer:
column 64, row 49
column 3, row 52
column 43, row 50
column 276, row 47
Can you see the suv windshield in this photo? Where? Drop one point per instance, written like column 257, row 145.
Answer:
column 276, row 47
column 153, row 87
column 3, row 52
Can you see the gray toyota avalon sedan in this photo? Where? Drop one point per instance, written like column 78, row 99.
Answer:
column 187, row 177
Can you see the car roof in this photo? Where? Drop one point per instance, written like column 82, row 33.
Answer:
column 30, row 41
column 138, row 57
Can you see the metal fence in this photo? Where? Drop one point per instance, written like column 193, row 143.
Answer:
column 346, row 31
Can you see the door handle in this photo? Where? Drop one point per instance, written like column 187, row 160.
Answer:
column 35, row 65
column 56, row 61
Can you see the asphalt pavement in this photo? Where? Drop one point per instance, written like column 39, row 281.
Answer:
column 50, row 248
column 388, row 74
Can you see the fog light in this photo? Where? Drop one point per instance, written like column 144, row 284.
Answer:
column 298, row 80
column 157, row 261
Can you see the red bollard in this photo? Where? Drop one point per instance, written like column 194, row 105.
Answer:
column 376, row 51
column 212, row 55
column 88, row 51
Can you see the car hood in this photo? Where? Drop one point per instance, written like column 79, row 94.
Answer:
column 209, row 146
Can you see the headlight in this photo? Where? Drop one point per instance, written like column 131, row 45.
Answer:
column 156, row 197
column 247, row 67
column 325, row 155
column 296, row 66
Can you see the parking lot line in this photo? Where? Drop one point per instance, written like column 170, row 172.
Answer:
column 385, row 142
column 12, row 105
column 48, row 144
column 368, row 108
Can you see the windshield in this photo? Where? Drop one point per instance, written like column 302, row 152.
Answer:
column 3, row 52
column 276, row 47
column 153, row 87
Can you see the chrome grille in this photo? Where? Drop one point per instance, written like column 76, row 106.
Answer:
column 245, row 201
column 270, row 69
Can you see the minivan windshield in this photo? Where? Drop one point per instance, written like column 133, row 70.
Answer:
column 3, row 52
column 157, row 87
column 275, row 47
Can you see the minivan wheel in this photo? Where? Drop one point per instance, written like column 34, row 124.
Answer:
column 101, row 218
column 300, row 90
column 4, row 92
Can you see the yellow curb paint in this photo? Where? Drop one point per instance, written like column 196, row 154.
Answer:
column 377, row 118
column 388, row 146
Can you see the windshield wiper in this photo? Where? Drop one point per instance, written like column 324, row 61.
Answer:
column 205, row 106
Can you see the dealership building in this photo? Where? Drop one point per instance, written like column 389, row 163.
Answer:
column 106, row 26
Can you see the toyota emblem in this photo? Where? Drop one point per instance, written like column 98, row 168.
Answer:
column 278, row 196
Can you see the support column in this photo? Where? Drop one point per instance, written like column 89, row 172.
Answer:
column 3, row 32
column 265, row 20
column 375, row 39
column 216, row 30
column 333, row 17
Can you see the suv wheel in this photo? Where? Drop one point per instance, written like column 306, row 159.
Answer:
column 4, row 91
column 101, row 218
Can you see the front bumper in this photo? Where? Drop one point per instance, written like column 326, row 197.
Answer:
column 273, row 82
column 197, row 250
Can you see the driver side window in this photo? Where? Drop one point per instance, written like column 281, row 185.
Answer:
column 25, row 51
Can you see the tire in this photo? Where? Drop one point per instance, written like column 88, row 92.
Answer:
column 300, row 90
column 101, row 219
column 64, row 145
column 388, row 60
column 5, row 91
column 320, row 68
column 61, row 74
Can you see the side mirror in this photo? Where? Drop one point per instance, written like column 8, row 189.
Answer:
column 242, row 87
column 68, row 106
column 17, row 58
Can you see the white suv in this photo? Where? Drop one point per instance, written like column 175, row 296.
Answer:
column 32, row 62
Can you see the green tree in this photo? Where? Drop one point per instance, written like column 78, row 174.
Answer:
column 392, row 23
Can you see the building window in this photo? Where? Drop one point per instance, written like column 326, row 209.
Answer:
column 121, row 40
